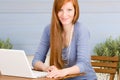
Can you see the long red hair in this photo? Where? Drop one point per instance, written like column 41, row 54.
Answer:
column 56, row 32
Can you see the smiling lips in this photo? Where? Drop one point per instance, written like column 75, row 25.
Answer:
column 64, row 19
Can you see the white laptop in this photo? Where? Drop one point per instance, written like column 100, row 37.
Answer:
column 15, row 63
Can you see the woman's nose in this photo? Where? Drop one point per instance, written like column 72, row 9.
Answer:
column 64, row 13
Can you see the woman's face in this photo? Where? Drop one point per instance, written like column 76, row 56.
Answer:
column 66, row 14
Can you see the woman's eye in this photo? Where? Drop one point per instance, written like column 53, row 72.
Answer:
column 69, row 9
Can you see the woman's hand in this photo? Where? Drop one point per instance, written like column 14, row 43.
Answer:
column 39, row 66
column 51, row 68
column 57, row 73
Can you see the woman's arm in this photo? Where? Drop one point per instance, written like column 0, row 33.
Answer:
column 83, row 49
column 41, row 53
column 72, row 70
column 40, row 66
column 63, row 72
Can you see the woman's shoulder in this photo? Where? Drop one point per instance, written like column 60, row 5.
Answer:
column 47, row 29
column 81, row 30
column 80, row 27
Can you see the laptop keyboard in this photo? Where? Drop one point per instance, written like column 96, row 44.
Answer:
column 39, row 74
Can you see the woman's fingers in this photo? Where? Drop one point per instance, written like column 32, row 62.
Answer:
column 56, row 74
column 51, row 68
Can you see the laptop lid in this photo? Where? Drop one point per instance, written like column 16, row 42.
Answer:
column 15, row 63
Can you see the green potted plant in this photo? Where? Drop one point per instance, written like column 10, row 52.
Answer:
column 6, row 44
column 111, row 47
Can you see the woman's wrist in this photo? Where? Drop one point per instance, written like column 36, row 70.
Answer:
column 45, row 68
column 66, row 71
column 72, row 70
column 40, row 66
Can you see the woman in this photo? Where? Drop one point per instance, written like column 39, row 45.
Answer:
column 68, row 41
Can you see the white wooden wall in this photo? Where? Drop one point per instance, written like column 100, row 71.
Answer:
column 24, row 20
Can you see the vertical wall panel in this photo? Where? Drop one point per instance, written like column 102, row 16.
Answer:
column 24, row 20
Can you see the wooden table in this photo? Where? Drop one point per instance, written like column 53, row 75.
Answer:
column 3, row 77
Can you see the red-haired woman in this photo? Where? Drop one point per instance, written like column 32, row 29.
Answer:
column 68, row 41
